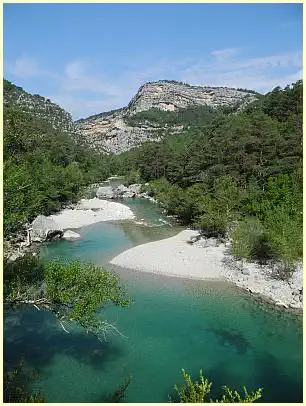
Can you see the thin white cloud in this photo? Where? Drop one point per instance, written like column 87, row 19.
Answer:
column 75, row 69
column 77, row 77
column 226, row 53
column 82, row 91
column 27, row 67
column 260, row 73
column 293, row 59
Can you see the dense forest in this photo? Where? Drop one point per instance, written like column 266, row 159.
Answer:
column 231, row 173
column 44, row 167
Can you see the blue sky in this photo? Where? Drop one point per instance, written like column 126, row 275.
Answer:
column 91, row 58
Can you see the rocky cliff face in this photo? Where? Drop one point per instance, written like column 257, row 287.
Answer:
column 112, row 131
column 171, row 95
column 38, row 106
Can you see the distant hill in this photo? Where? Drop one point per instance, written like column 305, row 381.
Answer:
column 38, row 106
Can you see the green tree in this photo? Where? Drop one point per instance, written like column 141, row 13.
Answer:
column 72, row 291
column 193, row 391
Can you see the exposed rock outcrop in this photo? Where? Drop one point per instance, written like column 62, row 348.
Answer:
column 44, row 228
column 135, row 188
column 112, row 132
column 118, row 192
column 172, row 95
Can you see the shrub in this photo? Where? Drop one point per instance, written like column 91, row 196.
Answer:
column 251, row 241
column 132, row 177
column 198, row 392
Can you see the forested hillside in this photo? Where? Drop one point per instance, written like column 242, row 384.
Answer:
column 44, row 167
column 39, row 106
column 236, row 174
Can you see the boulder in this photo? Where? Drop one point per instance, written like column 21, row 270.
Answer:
column 121, row 189
column 105, row 192
column 70, row 235
column 128, row 194
column 44, row 228
column 135, row 188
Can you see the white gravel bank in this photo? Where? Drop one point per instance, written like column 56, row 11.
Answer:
column 89, row 211
column 174, row 257
column 208, row 260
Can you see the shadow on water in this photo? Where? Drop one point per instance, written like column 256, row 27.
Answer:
column 233, row 339
column 282, row 387
column 38, row 331
column 277, row 386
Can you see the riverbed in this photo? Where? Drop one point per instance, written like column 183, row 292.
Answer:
column 171, row 324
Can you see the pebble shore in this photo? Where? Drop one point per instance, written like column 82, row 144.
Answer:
column 208, row 259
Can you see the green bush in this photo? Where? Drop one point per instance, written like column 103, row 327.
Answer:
column 219, row 208
column 212, row 224
column 285, row 234
column 250, row 240
column 198, row 392
column 132, row 177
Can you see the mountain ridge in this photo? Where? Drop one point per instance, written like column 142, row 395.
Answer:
column 111, row 132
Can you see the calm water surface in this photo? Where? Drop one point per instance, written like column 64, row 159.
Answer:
column 171, row 324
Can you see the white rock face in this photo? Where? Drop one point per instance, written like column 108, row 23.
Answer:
column 71, row 235
column 112, row 133
column 44, row 228
column 170, row 96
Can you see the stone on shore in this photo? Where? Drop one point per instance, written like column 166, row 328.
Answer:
column 118, row 192
column 45, row 228
column 135, row 188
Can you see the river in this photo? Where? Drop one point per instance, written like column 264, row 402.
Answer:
column 171, row 324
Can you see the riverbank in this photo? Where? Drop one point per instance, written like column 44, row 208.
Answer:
column 90, row 211
column 180, row 256
column 59, row 225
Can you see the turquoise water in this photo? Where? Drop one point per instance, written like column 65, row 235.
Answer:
column 171, row 324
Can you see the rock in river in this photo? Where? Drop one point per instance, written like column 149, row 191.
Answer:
column 71, row 235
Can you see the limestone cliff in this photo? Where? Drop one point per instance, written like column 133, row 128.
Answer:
column 113, row 132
